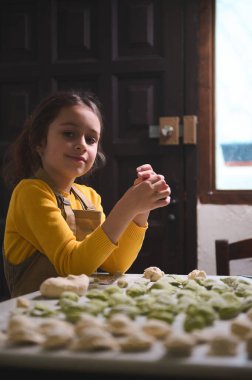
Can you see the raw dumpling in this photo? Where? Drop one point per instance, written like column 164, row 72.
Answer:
column 136, row 342
column 94, row 339
column 223, row 345
column 179, row 345
column 153, row 273
column 196, row 273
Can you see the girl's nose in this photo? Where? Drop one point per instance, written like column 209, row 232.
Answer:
column 80, row 145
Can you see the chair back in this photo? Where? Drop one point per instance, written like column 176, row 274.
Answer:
column 225, row 251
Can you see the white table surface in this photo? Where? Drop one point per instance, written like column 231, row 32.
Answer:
column 153, row 362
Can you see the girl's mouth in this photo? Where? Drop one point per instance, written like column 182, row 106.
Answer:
column 77, row 158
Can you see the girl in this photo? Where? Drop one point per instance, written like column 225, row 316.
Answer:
column 56, row 227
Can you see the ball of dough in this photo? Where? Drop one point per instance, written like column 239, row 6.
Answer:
column 156, row 328
column 22, row 330
column 58, row 335
column 241, row 328
column 55, row 286
column 120, row 324
column 179, row 345
column 136, row 342
column 153, row 273
column 223, row 345
column 87, row 321
column 94, row 340
column 23, row 302
column 196, row 273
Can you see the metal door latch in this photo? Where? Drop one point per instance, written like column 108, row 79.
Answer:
column 170, row 130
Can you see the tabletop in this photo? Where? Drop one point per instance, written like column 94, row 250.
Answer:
column 155, row 362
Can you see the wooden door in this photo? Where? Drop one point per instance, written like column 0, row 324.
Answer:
column 139, row 56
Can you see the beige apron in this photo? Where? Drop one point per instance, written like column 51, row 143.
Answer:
column 27, row 276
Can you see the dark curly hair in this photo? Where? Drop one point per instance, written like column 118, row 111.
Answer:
column 22, row 159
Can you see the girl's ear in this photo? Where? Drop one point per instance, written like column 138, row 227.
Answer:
column 40, row 148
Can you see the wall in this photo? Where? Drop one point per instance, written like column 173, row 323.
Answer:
column 232, row 222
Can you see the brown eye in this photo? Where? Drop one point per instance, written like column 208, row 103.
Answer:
column 68, row 134
column 91, row 140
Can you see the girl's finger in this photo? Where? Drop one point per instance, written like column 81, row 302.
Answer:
column 158, row 182
column 137, row 181
column 144, row 175
column 163, row 194
column 144, row 167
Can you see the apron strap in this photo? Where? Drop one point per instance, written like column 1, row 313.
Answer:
column 86, row 203
column 64, row 203
column 66, row 211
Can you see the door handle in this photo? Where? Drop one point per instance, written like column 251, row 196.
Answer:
column 166, row 130
column 170, row 130
column 171, row 126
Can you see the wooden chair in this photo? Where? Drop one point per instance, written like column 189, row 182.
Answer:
column 225, row 251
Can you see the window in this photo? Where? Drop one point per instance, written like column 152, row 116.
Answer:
column 225, row 106
column 233, row 94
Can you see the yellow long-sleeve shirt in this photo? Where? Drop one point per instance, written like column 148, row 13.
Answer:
column 35, row 223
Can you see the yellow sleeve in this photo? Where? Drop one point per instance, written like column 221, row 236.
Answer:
column 34, row 222
column 127, row 251
column 129, row 244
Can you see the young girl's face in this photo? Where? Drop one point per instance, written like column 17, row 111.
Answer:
column 71, row 146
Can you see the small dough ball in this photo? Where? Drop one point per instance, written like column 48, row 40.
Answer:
column 223, row 345
column 136, row 342
column 58, row 335
column 94, row 340
column 50, row 324
column 196, row 273
column 153, row 273
column 241, row 327
column 87, row 321
column 23, row 302
column 156, row 328
column 179, row 345
column 122, row 283
column 53, row 287
column 22, row 330
column 120, row 324
column 23, row 335
column 20, row 320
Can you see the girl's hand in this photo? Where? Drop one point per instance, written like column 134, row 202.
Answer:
column 150, row 191
column 145, row 172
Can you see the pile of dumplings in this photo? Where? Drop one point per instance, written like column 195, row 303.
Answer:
column 174, row 311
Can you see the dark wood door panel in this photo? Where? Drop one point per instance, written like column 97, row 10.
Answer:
column 77, row 30
column 17, row 100
column 137, row 105
column 19, row 34
column 138, row 28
